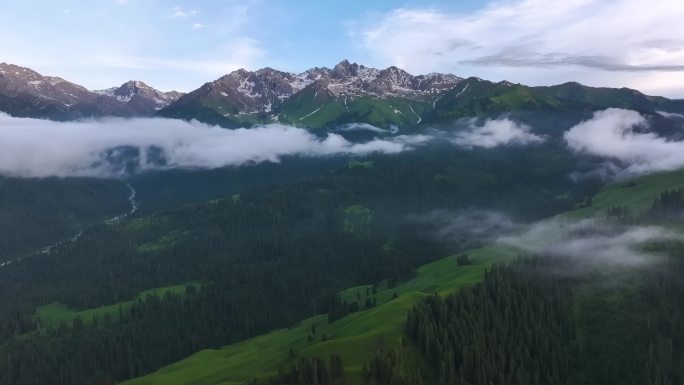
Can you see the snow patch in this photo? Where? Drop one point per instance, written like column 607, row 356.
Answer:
column 316, row 110
column 414, row 112
column 463, row 90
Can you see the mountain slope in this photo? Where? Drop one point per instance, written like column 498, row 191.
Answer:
column 355, row 336
column 26, row 93
column 142, row 98
column 352, row 336
column 476, row 97
column 318, row 97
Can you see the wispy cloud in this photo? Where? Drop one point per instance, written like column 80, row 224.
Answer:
column 179, row 12
column 670, row 114
column 591, row 242
column 144, row 41
column 450, row 226
column 515, row 38
column 529, row 33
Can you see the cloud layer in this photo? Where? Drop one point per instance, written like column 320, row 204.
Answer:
column 495, row 133
column 39, row 148
column 611, row 134
column 114, row 147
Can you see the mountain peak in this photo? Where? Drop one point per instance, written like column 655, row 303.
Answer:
column 344, row 62
column 240, row 72
column 135, row 83
column 346, row 69
column 141, row 95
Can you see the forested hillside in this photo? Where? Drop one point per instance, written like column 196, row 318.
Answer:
column 544, row 319
column 263, row 259
column 35, row 213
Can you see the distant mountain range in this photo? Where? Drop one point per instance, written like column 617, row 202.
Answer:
column 26, row 93
column 316, row 98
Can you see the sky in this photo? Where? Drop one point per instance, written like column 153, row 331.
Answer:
column 182, row 44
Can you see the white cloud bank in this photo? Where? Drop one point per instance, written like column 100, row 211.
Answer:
column 632, row 43
column 40, row 148
column 494, row 133
column 611, row 134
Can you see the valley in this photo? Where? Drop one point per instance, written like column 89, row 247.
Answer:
column 345, row 225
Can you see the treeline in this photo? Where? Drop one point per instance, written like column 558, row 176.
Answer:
column 668, row 205
column 633, row 328
column 552, row 321
column 514, row 329
column 309, row 371
column 388, row 367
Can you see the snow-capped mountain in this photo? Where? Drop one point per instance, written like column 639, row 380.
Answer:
column 349, row 79
column 141, row 96
column 15, row 80
column 244, row 92
column 247, row 96
column 319, row 98
column 24, row 92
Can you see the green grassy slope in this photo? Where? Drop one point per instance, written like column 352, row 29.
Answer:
column 636, row 194
column 317, row 107
column 53, row 314
column 476, row 97
column 306, row 110
column 354, row 337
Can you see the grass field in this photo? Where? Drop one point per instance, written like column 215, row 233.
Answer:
column 305, row 110
column 55, row 313
column 354, row 337
column 636, row 194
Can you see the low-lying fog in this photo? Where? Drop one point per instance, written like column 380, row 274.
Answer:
column 41, row 148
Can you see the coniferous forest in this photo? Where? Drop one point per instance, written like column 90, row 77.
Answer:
column 545, row 321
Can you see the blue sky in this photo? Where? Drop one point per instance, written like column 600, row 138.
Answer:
column 182, row 44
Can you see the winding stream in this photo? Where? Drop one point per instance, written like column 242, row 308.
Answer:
column 48, row 249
